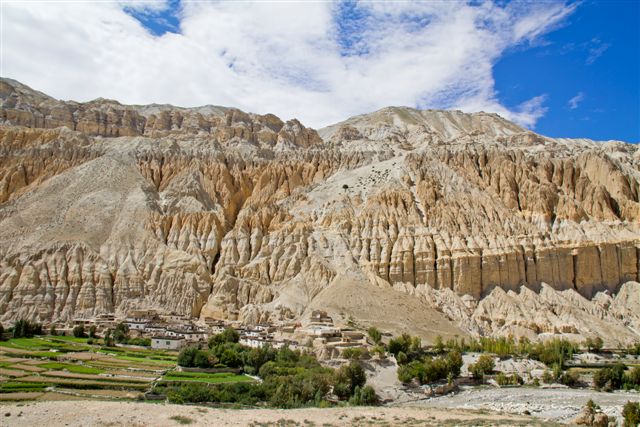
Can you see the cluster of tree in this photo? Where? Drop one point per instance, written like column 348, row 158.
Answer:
column 430, row 369
column 548, row 352
column 615, row 377
column 290, row 378
column 224, row 351
column 25, row 329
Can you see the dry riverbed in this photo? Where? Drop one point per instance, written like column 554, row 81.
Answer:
column 131, row 414
column 560, row 405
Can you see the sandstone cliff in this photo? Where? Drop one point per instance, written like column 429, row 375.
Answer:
column 211, row 211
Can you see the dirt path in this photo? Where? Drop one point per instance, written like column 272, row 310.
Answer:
column 131, row 414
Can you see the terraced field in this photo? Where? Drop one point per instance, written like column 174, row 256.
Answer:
column 61, row 368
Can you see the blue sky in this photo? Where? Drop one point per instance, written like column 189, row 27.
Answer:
column 589, row 70
column 561, row 68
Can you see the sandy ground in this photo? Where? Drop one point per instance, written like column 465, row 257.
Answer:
column 561, row 405
column 131, row 414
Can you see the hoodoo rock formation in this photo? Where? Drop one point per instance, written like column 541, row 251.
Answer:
column 437, row 221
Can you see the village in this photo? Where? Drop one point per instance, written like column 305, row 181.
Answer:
column 173, row 332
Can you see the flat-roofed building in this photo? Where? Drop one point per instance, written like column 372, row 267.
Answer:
column 167, row 343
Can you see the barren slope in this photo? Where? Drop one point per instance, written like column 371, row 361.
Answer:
column 431, row 221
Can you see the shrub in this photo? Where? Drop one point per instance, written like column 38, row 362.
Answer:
column 402, row 358
column 143, row 342
column 633, row 377
column 365, row 396
column 483, row 366
column 92, row 331
column 570, row 378
column 399, row 344
column 631, row 414
column 52, row 331
column 352, row 353
column 375, row 334
column 1, row 332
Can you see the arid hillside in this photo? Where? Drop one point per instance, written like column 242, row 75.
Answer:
column 435, row 222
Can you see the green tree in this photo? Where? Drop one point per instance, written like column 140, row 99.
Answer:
column 1, row 332
column 229, row 335
column 108, row 338
column 202, row 359
column 24, row 328
column 78, row 331
column 121, row 333
column 52, row 331
column 348, row 378
column 92, row 331
column 454, row 363
column 187, row 356
column 438, row 345
column 593, row 344
column 375, row 335
column 483, row 366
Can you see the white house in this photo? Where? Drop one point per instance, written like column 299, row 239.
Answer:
column 136, row 324
column 167, row 343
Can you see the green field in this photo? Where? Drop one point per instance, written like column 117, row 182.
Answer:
column 78, row 369
column 220, row 377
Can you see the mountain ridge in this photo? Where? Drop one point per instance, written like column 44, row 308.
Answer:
column 473, row 222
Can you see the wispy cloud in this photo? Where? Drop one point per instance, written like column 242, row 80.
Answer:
column 576, row 100
column 318, row 61
column 596, row 49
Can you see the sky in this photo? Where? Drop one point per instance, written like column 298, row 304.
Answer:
column 561, row 68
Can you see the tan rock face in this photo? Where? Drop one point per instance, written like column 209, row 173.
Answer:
column 215, row 212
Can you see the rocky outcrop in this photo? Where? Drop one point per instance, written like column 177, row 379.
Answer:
column 211, row 211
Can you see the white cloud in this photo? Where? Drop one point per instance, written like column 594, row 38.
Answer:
column 283, row 58
column 576, row 100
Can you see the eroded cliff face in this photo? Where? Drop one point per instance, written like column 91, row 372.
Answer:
column 216, row 212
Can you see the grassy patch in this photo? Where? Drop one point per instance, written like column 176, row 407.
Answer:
column 181, row 419
column 21, row 387
column 77, row 369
